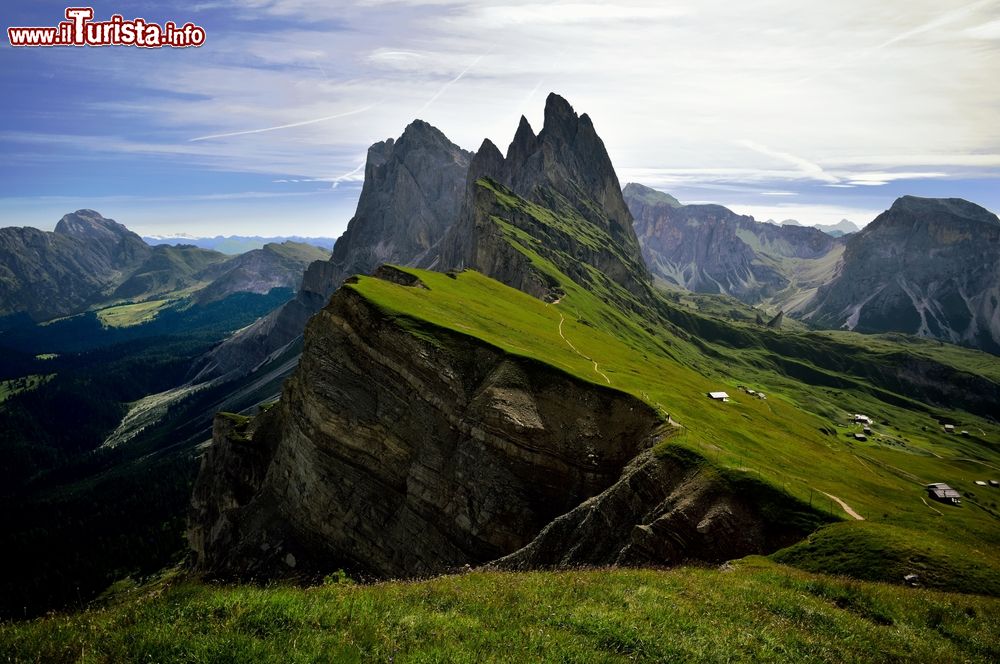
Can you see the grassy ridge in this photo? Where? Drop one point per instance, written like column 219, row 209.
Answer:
column 752, row 611
column 798, row 440
column 880, row 552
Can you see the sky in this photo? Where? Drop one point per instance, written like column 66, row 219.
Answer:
column 815, row 111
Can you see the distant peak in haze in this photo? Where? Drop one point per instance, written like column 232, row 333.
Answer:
column 842, row 227
column 236, row 244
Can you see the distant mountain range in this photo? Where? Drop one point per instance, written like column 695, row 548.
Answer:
column 711, row 249
column 237, row 244
column 839, row 229
column 929, row 267
column 926, row 266
column 89, row 261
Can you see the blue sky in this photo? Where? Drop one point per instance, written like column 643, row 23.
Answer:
column 777, row 108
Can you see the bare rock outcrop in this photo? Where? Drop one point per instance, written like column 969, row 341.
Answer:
column 394, row 455
column 667, row 510
column 557, row 188
column 411, row 196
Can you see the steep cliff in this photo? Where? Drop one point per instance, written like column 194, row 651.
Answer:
column 925, row 266
column 403, row 452
column 411, row 196
column 402, row 447
column 664, row 510
column 558, row 191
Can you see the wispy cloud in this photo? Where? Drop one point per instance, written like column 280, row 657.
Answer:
column 452, row 82
column 938, row 22
column 290, row 125
column 843, row 99
column 807, row 168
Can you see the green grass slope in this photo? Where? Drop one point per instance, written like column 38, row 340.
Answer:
column 752, row 611
column 799, row 440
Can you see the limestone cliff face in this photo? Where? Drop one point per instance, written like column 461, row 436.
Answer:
column 926, row 266
column 395, row 456
column 566, row 172
column 662, row 512
column 411, row 196
column 399, row 454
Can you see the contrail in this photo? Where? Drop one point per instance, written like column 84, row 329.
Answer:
column 452, row 82
column 531, row 94
column 940, row 21
column 934, row 24
column 807, row 167
column 285, row 126
column 341, row 178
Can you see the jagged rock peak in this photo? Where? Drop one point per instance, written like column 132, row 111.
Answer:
column 560, row 117
column 420, row 132
column 524, row 142
column 487, row 162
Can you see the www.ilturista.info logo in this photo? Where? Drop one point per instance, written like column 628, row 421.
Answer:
column 79, row 29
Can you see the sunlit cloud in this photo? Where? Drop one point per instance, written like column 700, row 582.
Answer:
column 746, row 102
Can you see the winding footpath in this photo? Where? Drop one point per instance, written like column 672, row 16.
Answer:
column 562, row 319
column 847, row 508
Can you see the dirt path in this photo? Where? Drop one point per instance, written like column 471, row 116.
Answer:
column 931, row 508
column 847, row 508
column 981, row 463
column 562, row 319
column 867, row 467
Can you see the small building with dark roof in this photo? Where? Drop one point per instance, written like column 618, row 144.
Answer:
column 941, row 492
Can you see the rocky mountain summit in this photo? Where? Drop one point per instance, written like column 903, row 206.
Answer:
column 50, row 274
column 711, row 249
column 558, row 187
column 411, row 196
column 925, row 266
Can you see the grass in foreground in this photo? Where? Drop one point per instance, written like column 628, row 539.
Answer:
column 756, row 611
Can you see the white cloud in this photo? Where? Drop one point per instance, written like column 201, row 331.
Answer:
column 760, row 97
column 807, row 168
column 568, row 13
column 989, row 30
